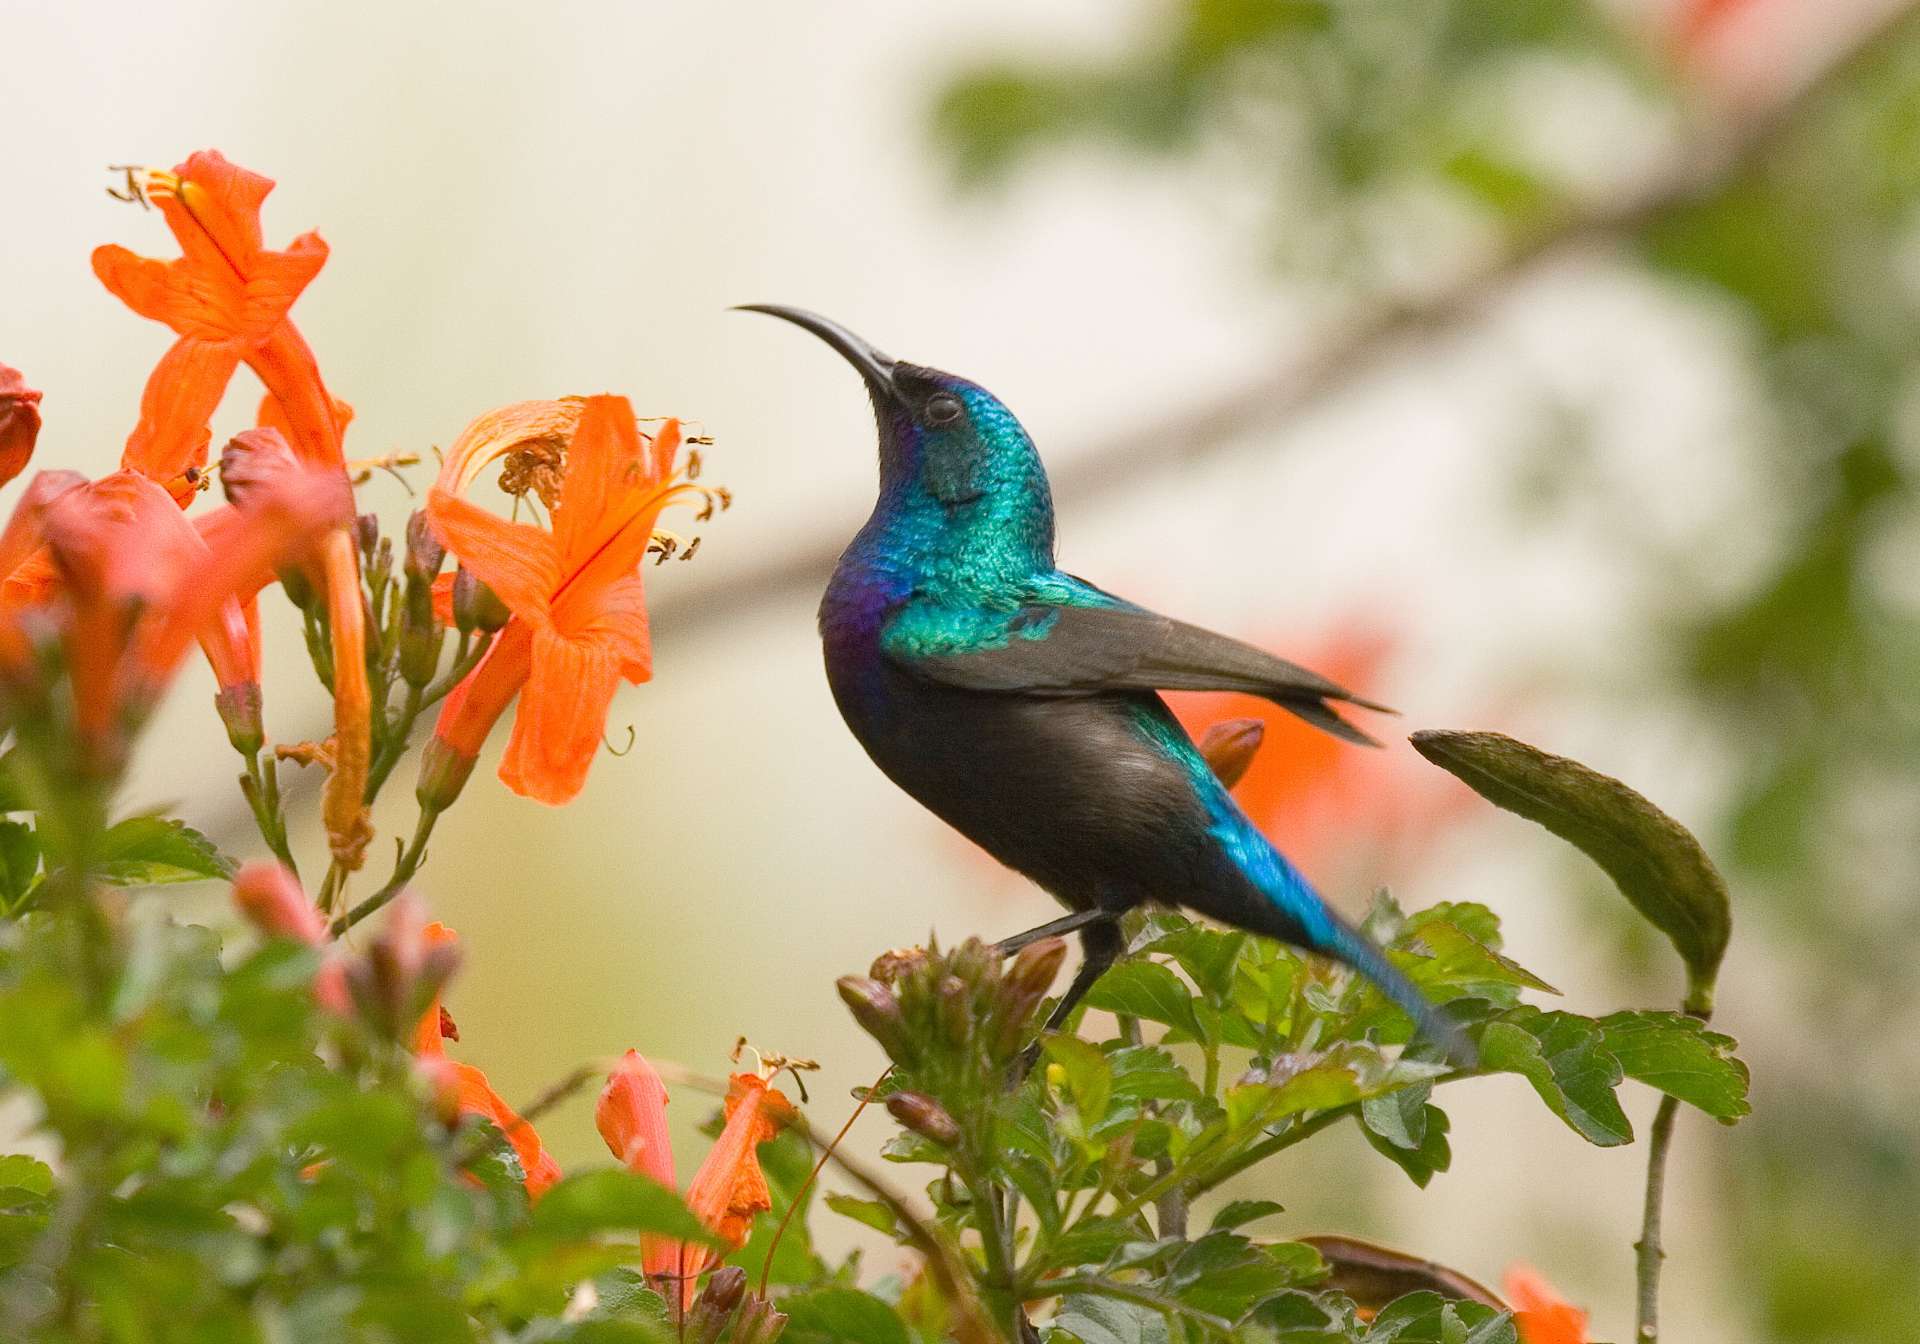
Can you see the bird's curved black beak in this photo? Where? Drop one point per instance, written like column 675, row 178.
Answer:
column 875, row 367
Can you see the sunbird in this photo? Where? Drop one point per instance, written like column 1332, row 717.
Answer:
column 1020, row 704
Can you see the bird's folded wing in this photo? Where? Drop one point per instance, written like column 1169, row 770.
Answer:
column 1067, row 650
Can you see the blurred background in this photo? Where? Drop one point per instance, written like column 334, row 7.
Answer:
column 1540, row 365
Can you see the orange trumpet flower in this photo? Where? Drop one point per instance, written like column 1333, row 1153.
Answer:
column 727, row 1192
column 466, row 1088
column 579, row 622
column 227, row 298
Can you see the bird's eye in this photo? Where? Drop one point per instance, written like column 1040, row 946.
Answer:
column 943, row 410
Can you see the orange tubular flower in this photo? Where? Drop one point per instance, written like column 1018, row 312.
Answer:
column 632, row 1118
column 1540, row 1314
column 227, row 298
column 139, row 584
column 19, row 423
column 471, row 1093
column 579, row 613
column 727, row 1192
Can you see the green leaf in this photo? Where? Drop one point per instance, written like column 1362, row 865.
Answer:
column 1456, row 965
column 1566, row 1059
column 1146, row 1073
column 1227, row 1275
column 19, row 866
column 1681, row 1057
column 615, row 1200
column 1399, row 1117
column 1103, row 1320
column 151, row 851
column 1240, row 1212
column 1425, row 1317
column 1208, row 955
column 1089, row 1078
column 1653, row 859
column 841, row 1314
column 874, row 1213
column 1432, row 1154
column 623, row 1295
column 20, row 1172
column 1146, row 989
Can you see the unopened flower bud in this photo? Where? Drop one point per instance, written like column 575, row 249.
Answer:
column 272, row 901
column 877, row 1011
column 239, row 707
column 476, row 606
column 404, row 967
column 924, row 1116
column 440, row 1077
column 758, row 1323
column 1230, row 747
column 19, row 422
column 425, row 554
column 956, row 1009
column 1034, row 968
column 443, row 773
column 715, row 1305
column 366, row 533
column 298, row 587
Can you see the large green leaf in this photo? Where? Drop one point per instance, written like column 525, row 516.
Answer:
column 1102, row 1320
column 1146, row 989
column 844, row 1314
column 1681, row 1057
column 1566, row 1059
column 151, row 851
column 1653, row 859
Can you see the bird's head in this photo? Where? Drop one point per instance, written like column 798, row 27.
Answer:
column 938, row 431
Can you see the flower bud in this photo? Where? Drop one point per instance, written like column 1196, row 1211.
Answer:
column 1230, row 747
column 272, row 901
column 366, row 534
column 425, row 554
column 759, row 1323
column 476, row 606
column 894, row 966
column 877, row 1011
column 443, row 773
column 924, row 1116
column 956, row 1009
column 403, row 970
column 298, row 587
column 19, row 422
column 715, row 1305
column 239, row 707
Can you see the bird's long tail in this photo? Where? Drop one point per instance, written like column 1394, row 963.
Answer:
column 1282, row 904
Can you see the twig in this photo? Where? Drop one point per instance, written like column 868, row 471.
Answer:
column 1647, row 1252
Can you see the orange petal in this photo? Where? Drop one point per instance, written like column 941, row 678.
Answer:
column 506, row 429
column 271, row 415
column 730, row 1189
column 562, row 716
column 431, row 1032
column 477, row 1097
column 603, row 465
column 1540, row 1314
column 476, row 704
column 515, row 560
column 632, row 1117
column 19, row 423
column 180, row 398
column 342, row 804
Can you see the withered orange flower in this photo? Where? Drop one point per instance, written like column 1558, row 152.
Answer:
column 19, row 423
column 227, row 298
column 470, row 1092
column 727, row 1192
column 1540, row 1314
column 579, row 621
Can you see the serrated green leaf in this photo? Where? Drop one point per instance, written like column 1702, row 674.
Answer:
column 624, row 1295
column 1449, row 963
column 1091, row 1241
column 1425, row 1317
column 1399, row 1116
column 153, row 851
column 1208, row 955
column 616, row 1201
column 1102, row 1320
column 1653, row 859
column 1566, row 1059
column 1681, row 1057
column 841, row 1314
column 1148, row 990
column 1240, row 1212
column 1147, row 1073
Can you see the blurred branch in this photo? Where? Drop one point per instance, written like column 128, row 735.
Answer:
column 1365, row 341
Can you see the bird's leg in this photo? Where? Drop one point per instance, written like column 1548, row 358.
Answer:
column 1101, row 944
column 1053, row 928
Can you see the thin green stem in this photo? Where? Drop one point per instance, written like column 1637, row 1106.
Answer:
column 261, row 787
column 464, row 661
column 403, row 870
column 393, row 742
